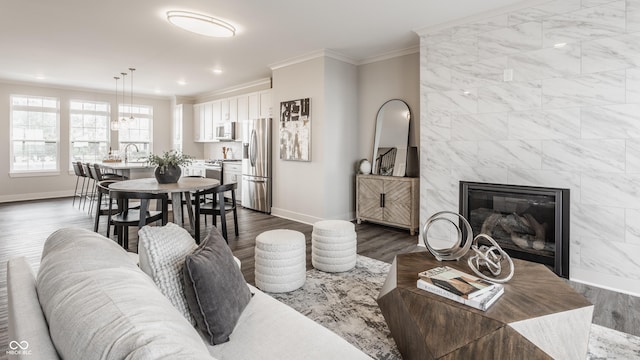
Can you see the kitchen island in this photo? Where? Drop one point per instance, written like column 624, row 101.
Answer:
column 132, row 170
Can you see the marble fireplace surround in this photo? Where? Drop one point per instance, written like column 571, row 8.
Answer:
column 567, row 117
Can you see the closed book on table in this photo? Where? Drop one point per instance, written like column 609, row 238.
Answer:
column 482, row 302
column 457, row 282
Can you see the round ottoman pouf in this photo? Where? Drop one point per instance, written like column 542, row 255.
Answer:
column 333, row 245
column 280, row 260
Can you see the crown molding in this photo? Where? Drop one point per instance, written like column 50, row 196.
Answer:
column 313, row 55
column 390, row 55
column 78, row 88
column 259, row 82
column 476, row 17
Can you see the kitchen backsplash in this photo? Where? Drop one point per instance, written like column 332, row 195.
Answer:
column 214, row 151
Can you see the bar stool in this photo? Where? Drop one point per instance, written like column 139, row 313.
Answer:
column 77, row 169
column 86, row 167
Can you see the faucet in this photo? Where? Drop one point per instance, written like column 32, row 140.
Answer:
column 126, row 154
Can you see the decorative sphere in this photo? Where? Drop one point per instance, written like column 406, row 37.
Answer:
column 365, row 166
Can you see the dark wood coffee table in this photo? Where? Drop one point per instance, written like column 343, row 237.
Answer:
column 539, row 316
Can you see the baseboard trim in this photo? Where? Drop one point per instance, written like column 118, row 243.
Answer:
column 291, row 215
column 35, row 196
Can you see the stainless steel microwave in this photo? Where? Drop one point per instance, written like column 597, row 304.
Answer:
column 226, row 131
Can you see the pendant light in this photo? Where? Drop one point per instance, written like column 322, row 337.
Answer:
column 131, row 118
column 123, row 120
column 114, row 123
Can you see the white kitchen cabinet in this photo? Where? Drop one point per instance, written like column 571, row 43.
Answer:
column 232, row 173
column 198, row 123
column 266, row 106
column 254, row 106
column 229, row 108
column 208, row 121
column 216, row 107
column 243, row 107
column 210, row 115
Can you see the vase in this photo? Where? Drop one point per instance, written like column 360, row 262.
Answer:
column 168, row 174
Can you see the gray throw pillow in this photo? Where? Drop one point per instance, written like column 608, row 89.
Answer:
column 215, row 289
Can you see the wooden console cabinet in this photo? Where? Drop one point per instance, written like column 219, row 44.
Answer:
column 388, row 200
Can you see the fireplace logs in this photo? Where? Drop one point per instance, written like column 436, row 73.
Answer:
column 523, row 230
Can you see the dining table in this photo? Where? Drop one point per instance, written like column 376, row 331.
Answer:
column 185, row 185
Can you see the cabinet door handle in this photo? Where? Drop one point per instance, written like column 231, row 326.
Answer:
column 382, row 200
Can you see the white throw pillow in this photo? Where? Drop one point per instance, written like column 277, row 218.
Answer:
column 162, row 251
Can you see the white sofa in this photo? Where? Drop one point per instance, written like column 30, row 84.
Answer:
column 93, row 302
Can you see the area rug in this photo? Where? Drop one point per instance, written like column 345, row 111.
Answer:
column 346, row 304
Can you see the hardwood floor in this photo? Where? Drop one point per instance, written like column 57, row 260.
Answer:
column 24, row 226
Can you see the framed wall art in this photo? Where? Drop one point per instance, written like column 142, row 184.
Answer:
column 295, row 130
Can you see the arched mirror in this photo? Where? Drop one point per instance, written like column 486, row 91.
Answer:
column 392, row 138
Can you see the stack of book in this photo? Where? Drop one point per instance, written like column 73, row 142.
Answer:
column 460, row 286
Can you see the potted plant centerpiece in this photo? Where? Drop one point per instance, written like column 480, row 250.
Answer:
column 168, row 165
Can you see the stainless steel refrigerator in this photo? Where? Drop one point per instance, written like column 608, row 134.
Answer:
column 256, row 165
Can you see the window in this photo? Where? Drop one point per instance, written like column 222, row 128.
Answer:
column 138, row 131
column 89, row 130
column 35, row 134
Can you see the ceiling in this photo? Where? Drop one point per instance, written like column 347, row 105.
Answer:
column 85, row 43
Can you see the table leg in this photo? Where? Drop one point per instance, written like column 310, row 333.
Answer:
column 187, row 196
column 176, row 206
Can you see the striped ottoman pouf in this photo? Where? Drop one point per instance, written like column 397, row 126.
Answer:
column 280, row 261
column 333, row 245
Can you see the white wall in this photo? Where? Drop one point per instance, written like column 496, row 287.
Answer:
column 340, row 142
column 38, row 187
column 378, row 82
column 323, row 187
column 298, row 188
column 568, row 119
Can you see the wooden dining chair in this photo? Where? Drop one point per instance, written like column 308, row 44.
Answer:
column 102, row 206
column 139, row 216
column 219, row 206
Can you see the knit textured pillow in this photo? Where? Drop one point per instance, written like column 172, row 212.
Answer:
column 162, row 251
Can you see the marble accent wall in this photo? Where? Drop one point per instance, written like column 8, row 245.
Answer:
column 570, row 118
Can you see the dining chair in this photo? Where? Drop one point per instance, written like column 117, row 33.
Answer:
column 102, row 192
column 97, row 175
column 139, row 216
column 219, row 206
column 183, row 202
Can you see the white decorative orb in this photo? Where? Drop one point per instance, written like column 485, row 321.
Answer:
column 365, row 166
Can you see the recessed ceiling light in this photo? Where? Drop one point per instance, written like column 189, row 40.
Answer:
column 201, row 24
column 217, row 71
column 40, row 77
column 559, row 45
column 182, row 82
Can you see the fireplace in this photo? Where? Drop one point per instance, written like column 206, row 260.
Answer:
column 529, row 223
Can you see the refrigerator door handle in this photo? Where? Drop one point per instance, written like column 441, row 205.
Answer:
column 252, row 148
column 257, row 181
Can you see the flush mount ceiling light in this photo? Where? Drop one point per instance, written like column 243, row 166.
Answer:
column 201, row 24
